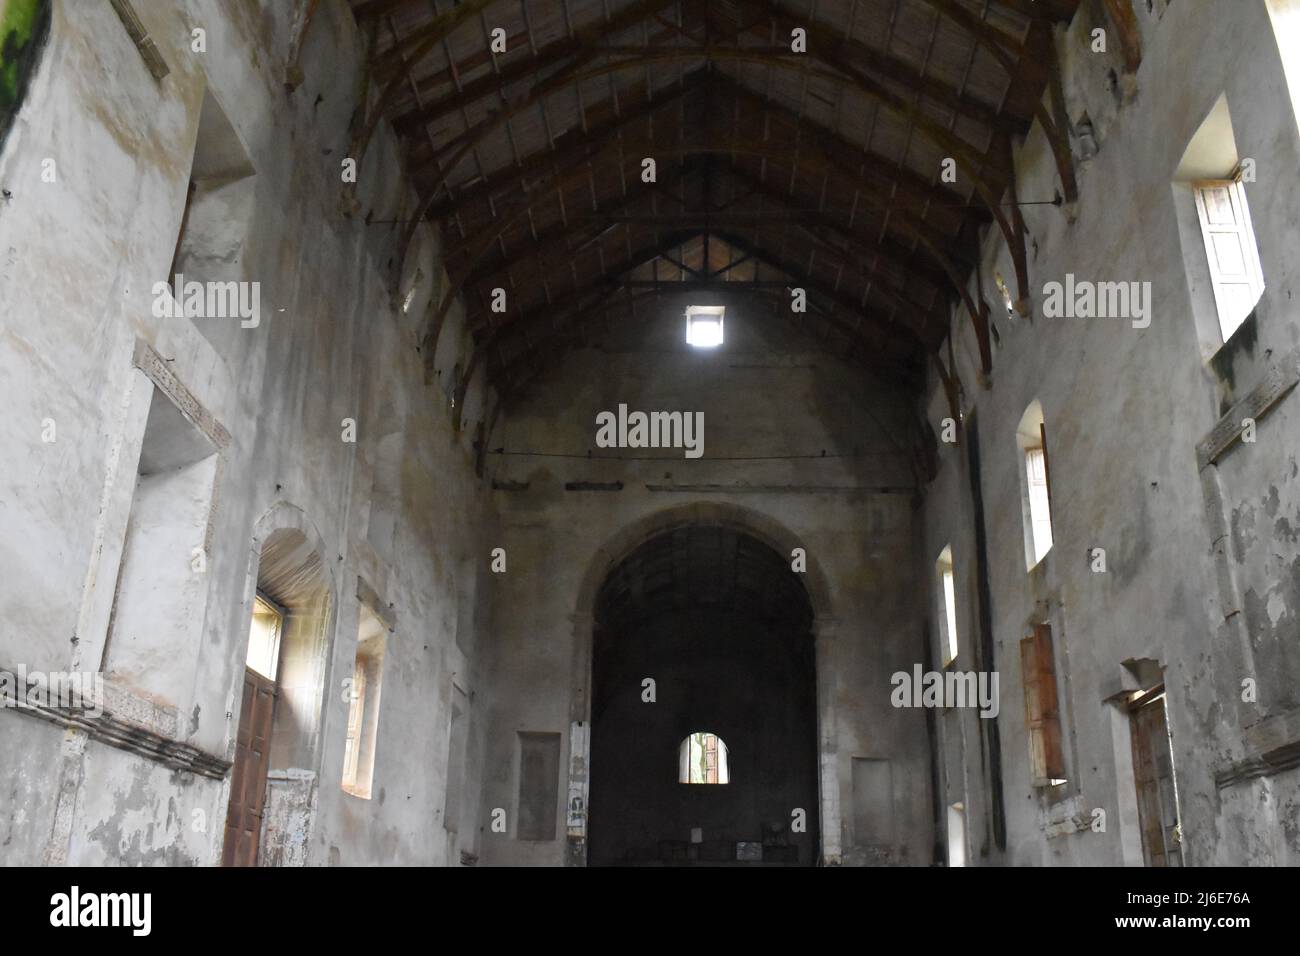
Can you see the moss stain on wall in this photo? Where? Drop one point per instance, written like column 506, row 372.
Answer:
column 24, row 26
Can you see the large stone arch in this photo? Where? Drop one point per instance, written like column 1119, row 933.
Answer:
column 287, row 561
column 606, row 557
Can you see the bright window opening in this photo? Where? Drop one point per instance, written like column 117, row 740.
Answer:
column 1036, row 484
column 957, row 835
column 1220, row 252
column 702, row 758
column 947, row 606
column 363, row 708
column 1231, row 250
column 1039, row 510
column 704, row 325
column 264, row 638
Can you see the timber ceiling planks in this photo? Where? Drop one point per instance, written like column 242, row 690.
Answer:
column 819, row 169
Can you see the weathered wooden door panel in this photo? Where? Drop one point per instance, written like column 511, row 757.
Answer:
column 248, row 775
column 1153, row 774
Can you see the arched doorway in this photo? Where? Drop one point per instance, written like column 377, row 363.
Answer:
column 277, row 748
column 723, row 627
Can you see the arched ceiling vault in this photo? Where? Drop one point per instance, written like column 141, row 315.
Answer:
column 775, row 169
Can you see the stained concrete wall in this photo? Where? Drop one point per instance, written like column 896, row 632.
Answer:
column 81, row 255
column 769, row 391
column 1203, row 566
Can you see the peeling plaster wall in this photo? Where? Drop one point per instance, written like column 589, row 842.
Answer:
column 766, row 392
column 78, row 258
column 1125, row 409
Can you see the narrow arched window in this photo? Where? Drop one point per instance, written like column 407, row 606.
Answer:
column 702, row 758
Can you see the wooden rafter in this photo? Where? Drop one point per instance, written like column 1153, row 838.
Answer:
column 585, row 90
column 1130, row 35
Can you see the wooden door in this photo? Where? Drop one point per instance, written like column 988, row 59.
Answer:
column 248, row 775
column 1153, row 773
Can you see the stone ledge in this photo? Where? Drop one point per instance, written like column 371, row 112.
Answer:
column 126, row 734
column 1273, row 746
column 1281, row 377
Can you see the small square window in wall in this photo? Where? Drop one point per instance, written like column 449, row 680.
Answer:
column 363, row 708
column 947, row 588
column 704, row 325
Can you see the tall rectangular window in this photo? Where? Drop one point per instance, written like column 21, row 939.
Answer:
column 957, row 835
column 1036, row 484
column 1042, row 718
column 363, row 710
column 947, row 606
column 1230, row 246
column 1040, row 510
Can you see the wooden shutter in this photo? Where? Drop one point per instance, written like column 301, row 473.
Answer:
column 1231, row 250
column 1042, row 720
column 357, row 709
column 1153, row 775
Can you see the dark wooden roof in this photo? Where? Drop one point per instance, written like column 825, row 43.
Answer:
column 775, row 168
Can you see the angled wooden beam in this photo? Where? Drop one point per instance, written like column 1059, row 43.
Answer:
column 899, row 256
column 576, row 149
column 921, row 234
column 978, row 165
column 866, row 322
column 304, row 13
column 1029, row 65
column 935, row 250
column 1049, row 10
column 576, row 296
column 863, row 319
column 581, row 45
column 950, row 386
column 550, row 251
column 896, row 68
column 377, row 8
column 431, row 35
column 863, row 162
column 1058, row 136
column 1130, row 35
column 558, row 240
column 1005, row 49
column 558, row 180
column 932, row 245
